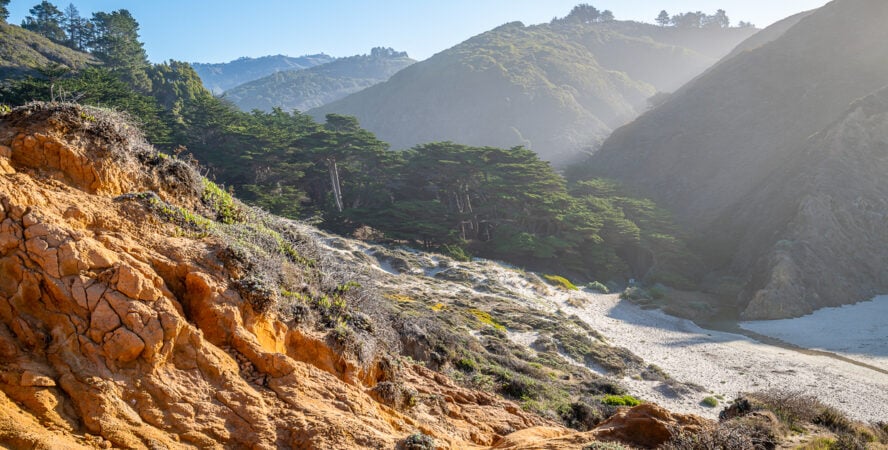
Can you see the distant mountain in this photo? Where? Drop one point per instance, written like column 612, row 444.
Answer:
column 223, row 76
column 23, row 51
column 557, row 88
column 763, row 160
column 316, row 86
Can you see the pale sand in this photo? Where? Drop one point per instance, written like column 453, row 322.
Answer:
column 727, row 364
column 856, row 331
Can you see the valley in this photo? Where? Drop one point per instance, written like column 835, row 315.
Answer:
column 608, row 230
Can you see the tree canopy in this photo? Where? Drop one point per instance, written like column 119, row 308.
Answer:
column 46, row 20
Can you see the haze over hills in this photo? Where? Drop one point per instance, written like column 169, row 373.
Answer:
column 219, row 77
column 732, row 155
column 557, row 88
column 316, row 86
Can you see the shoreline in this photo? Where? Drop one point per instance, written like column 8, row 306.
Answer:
column 727, row 364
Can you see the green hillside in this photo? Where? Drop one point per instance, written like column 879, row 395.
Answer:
column 22, row 51
column 557, row 88
column 316, row 86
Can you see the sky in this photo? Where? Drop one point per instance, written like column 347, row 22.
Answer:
column 223, row 30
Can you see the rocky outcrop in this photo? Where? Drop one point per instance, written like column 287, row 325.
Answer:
column 828, row 244
column 644, row 426
column 116, row 331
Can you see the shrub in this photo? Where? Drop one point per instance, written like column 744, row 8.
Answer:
column 710, row 402
column 581, row 415
column 221, row 203
column 466, row 365
column 599, row 287
column 604, row 446
column 561, row 282
column 634, row 293
column 456, row 252
column 833, row 419
column 656, row 292
column 418, row 441
column 485, row 318
column 620, row 400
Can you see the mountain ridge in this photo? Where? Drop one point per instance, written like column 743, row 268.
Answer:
column 541, row 86
column 219, row 77
column 316, row 86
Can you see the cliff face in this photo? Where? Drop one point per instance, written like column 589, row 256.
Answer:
column 129, row 320
column 114, row 330
column 815, row 230
column 717, row 150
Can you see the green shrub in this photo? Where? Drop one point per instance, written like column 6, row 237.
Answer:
column 710, row 402
column 221, row 202
column 656, row 292
column 634, row 293
column 456, row 252
column 620, row 400
column 485, row 318
column 466, row 365
column 598, row 286
column 561, row 282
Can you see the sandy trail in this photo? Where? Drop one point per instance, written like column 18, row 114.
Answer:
column 727, row 364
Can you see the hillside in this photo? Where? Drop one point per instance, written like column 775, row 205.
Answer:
column 316, row 86
column 22, row 51
column 557, row 88
column 219, row 77
column 142, row 307
column 706, row 151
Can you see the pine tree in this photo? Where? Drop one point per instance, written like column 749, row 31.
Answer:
column 663, row 18
column 4, row 11
column 115, row 41
column 76, row 28
column 45, row 19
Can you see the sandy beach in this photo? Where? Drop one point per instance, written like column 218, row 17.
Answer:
column 727, row 364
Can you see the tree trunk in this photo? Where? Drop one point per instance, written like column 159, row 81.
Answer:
column 334, row 180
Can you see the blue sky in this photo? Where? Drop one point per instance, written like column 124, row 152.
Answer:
column 222, row 30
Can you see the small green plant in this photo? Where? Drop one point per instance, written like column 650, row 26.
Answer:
column 599, row 287
column 656, row 292
column 4, row 109
column 485, row 318
column 222, row 203
column 561, row 282
column 466, row 365
column 620, row 400
column 710, row 402
column 456, row 252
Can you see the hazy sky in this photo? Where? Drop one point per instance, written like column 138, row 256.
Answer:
column 222, row 30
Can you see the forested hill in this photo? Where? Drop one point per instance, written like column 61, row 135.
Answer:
column 463, row 200
column 316, row 86
column 220, row 77
column 557, row 88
